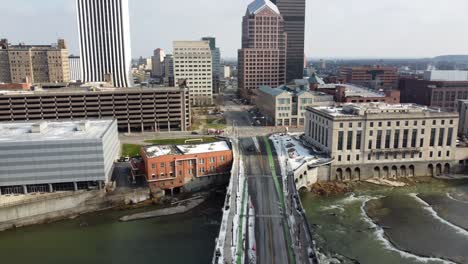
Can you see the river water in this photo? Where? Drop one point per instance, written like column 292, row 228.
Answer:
column 424, row 223
column 100, row 238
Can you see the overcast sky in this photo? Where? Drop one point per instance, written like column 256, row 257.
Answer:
column 334, row 28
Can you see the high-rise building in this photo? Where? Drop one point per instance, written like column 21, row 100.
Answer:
column 169, row 70
column 216, row 63
column 158, row 63
column 293, row 12
column 193, row 65
column 105, row 47
column 37, row 64
column 262, row 59
column 75, row 68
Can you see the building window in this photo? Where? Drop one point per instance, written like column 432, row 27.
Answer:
column 358, row 139
column 420, row 155
column 162, row 165
column 340, row 140
column 396, row 142
column 202, row 161
column 439, row 154
column 341, row 125
column 212, row 169
column 348, row 158
column 431, row 154
column 153, row 176
column 162, row 175
column 339, row 157
column 371, row 133
column 380, row 124
column 350, row 125
column 448, row 153
column 414, row 138
column 389, row 123
column 369, row 156
column 424, row 123
column 379, row 139
column 357, row 157
column 180, row 173
column 432, row 141
column 190, row 171
column 370, row 144
column 212, row 160
column 451, row 122
column 434, row 122
column 222, row 158
column 450, row 137
column 388, row 134
column 349, row 144
column 202, row 169
column 153, row 166
column 405, row 138
column 371, row 124
column 406, row 123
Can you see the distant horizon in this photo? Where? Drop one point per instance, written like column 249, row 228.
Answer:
column 334, row 29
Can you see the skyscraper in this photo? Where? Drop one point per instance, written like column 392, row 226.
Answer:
column 293, row 12
column 216, row 61
column 262, row 59
column 104, row 30
column 193, row 65
column 158, row 63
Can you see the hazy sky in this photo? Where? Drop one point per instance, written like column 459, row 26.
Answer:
column 334, row 28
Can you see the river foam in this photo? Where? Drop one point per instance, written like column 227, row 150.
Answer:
column 455, row 199
column 380, row 235
column 436, row 216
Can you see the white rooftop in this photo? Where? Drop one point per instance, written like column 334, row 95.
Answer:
column 52, row 130
column 204, row 148
column 438, row 75
column 156, row 151
column 352, row 90
column 258, row 5
column 373, row 108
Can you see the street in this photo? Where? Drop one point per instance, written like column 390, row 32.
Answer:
column 272, row 246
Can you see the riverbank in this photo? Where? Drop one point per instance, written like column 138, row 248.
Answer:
column 100, row 237
column 424, row 221
column 182, row 207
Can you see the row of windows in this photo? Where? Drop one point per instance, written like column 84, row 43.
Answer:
column 190, row 162
column 190, row 172
column 442, row 139
column 398, row 123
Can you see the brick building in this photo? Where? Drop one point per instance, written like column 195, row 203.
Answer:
column 439, row 93
column 375, row 77
column 172, row 167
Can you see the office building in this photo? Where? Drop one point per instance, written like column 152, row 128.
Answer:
column 37, row 64
column 172, row 167
column 438, row 89
column 169, row 71
column 293, row 12
column 45, row 156
column 262, row 59
column 462, row 109
column 378, row 140
column 216, row 63
column 135, row 109
column 158, row 63
column 374, row 77
column 286, row 105
column 193, row 65
column 104, row 31
column 75, row 68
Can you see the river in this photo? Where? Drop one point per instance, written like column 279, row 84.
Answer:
column 100, row 238
column 423, row 223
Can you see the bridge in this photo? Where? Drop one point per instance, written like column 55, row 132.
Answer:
column 263, row 220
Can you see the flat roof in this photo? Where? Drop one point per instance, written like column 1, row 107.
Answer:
column 361, row 109
column 11, row 132
column 90, row 90
column 353, row 90
column 163, row 150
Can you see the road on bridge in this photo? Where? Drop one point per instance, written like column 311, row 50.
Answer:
column 271, row 230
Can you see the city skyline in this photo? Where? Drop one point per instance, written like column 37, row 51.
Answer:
column 334, row 29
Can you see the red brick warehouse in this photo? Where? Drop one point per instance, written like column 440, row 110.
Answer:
column 171, row 167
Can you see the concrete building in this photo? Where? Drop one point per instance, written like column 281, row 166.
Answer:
column 171, row 168
column 377, row 140
column 105, row 48
column 286, row 105
column 375, row 77
column 227, row 73
column 216, row 63
column 75, row 68
column 169, row 71
column 135, row 109
column 37, row 64
column 452, row 76
column 193, row 64
column 438, row 89
column 262, row 58
column 293, row 12
column 158, row 70
column 462, row 109
column 46, row 156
